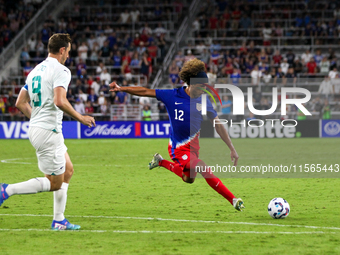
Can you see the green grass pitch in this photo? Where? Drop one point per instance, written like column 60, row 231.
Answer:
column 124, row 208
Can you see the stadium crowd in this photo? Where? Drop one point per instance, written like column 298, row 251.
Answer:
column 14, row 15
column 128, row 45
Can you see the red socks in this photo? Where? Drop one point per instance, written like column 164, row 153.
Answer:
column 173, row 167
column 210, row 178
column 217, row 185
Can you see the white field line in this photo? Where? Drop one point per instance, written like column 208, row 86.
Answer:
column 174, row 232
column 178, row 220
column 14, row 161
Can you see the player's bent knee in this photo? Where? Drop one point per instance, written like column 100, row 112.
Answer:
column 187, row 179
column 55, row 186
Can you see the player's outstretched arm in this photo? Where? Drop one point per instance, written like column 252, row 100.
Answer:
column 138, row 91
column 63, row 104
column 23, row 103
column 225, row 137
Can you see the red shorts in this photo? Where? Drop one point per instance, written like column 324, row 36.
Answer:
column 186, row 158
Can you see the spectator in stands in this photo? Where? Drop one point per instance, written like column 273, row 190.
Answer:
column 152, row 50
column 235, row 15
column 24, row 56
column 126, row 70
column 32, row 42
column 228, row 68
column 141, row 48
column 45, row 34
column 82, row 96
column 158, row 13
column 40, row 47
column 290, row 77
column 80, row 66
column 117, row 59
column 266, row 34
column 92, row 98
column 213, row 21
column 290, row 56
column 124, row 17
column 215, row 59
column 89, row 108
column 121, row 97
column 96, row 86
column 255, row 76
column 179, row 58
column 284, row 66
column 200, row 47
column 205, row 57
column 324, row 66
column 104, row 108
column 94, row 52
column 135, row 63
column 100, row 68
column 101, row 98
column 298, row 66
column 136, row 40
column 101, row 39
column 79, row 106
column 212, row 76
column 104, row 88
column 196, row 27
column 145, row 66
column 70, row 97
column 277, row 58
column 146, row 113
column 105, row 51
column 146, row 29
column 161, row 43
column 226, row 107
column 27, row 69
column 79, row 86
column 326, row 87
column 311, row 67
column 105, row 76
column 245, row 22
column 332, row 74
column 267, row 77
column 332, row 59
column 326, row 110
column 235, row 77
column 134, row 15
column 82, row 51
column 306, row 56
column 336, row 87
column 318, row 57
column 173, row 74
column 163, row 114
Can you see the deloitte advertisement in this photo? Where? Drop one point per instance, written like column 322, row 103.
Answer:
column 161, row 129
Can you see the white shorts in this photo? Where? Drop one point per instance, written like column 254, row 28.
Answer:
column 50, row 150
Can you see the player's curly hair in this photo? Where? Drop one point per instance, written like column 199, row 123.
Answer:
column 190, row 69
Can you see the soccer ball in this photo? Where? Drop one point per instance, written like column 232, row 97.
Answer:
column 278, row 208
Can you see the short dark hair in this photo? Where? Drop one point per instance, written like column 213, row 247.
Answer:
column 58, row 41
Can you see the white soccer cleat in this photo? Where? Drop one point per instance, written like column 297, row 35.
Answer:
column 238, row 204
column 155, row 161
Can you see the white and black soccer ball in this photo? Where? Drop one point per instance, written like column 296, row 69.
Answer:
column 278, row 208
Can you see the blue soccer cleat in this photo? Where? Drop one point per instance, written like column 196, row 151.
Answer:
column 64, row 225
column 3, row 193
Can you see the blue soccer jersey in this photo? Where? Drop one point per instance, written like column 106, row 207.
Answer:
column 185, row 116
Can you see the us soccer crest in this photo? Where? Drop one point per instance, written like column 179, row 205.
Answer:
column 198, row 107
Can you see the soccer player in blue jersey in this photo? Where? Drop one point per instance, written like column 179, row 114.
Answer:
column 185, row 120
